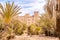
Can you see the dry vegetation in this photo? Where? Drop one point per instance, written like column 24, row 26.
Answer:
column 9, row 28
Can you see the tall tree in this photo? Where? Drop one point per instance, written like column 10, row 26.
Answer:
column 53, row 7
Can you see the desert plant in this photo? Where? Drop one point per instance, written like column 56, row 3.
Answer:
column 19, row 27
column 8, row 12
column 34, row 30
column 47, row 23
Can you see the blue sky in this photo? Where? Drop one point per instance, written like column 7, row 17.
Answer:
column 28, row 6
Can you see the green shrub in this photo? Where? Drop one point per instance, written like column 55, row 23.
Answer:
column 33, row 29
column 19, row 27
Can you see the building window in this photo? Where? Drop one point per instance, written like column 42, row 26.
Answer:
column 29, row 19
column 28, row 22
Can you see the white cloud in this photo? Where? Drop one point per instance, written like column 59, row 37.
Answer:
column 36, row 5
column 29, row 6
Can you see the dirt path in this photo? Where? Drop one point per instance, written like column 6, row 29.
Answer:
column 34, row 38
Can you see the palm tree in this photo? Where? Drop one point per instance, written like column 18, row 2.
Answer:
column 53, row 8
column 8, row 12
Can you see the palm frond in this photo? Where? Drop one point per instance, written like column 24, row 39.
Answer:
column 9, row 11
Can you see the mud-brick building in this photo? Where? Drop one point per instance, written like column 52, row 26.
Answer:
column 29, row 19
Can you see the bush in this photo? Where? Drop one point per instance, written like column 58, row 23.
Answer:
column 19, row 27
column 34, row 30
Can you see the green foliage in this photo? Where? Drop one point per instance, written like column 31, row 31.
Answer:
column 39, row 30
column 9, row 11
column 19, row 27
column 33, row 29
column 18, row 30
column 1, row 28
column 46, row 23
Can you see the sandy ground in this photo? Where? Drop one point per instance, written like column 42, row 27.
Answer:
column 34, row 37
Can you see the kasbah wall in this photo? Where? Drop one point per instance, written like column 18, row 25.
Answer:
column 28, row 19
